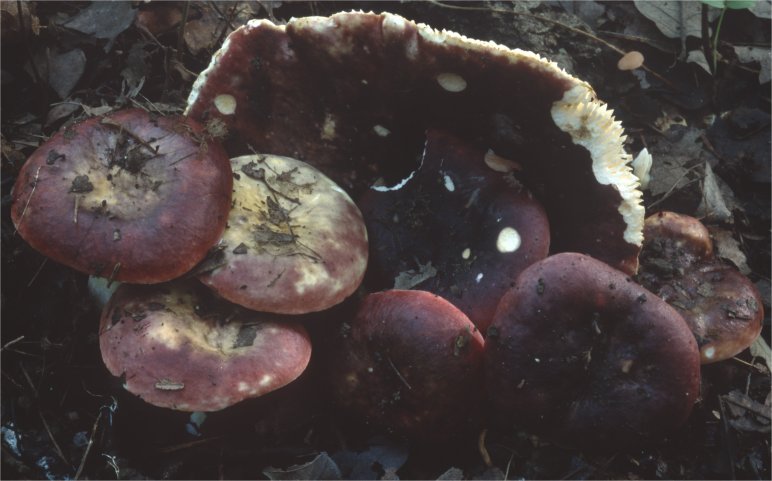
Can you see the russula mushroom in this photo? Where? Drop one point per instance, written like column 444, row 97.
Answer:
column 295, row 241
column 355, row 92
column 131, row 196
column 581, row 354
column 410, row 363
column 177, row 346
column 721, row 306
column 477, row 227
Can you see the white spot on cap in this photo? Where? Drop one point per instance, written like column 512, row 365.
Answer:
column 709, row 352
column 466, row 253
column 381, row 130
column 508, row 240
column 478, row 278
column 451, row 82
column 226, row 104
column 449, row 185
column 243, row 386
column 266, row 380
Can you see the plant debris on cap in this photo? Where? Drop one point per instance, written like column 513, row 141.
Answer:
column 721, row 306
column 588, row 358
column 177, row 346
column 475, row 225
column 295, row 241
column 354, row 93
column 410, row 363
column 131, row 196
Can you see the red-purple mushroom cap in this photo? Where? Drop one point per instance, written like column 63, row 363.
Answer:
column 295, row 241
column 354, row 93
column 464, row 230
column 130, row 196
column 583, row 355
column 721, row 306
column 177, row 346
column 411, row 364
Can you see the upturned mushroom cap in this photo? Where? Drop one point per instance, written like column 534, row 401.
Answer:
column 722, row 307
column 411, row 364
column 581, row 354
column 177, row 346
column 354, row 93
column 473, row 227
column 295, row 241
column 130, row 196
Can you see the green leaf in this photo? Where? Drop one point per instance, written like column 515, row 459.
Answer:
column 740, row 4
column 730, row 4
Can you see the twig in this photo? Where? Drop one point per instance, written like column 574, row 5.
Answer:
column 399, row 375
column 37, row 272
column 57, row 448
column 509, row 464
column 730, row 454
column 562, row 25
column 88, row 446
column 486, row 457
column 26, row 205
column 11, row 343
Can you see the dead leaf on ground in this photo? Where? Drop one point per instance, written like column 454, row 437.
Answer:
column 105, row 20
column 727, row 247
column 321, row 467
column 674, row 162
column 762, row 9
column 65, row 70
column 410, row 279
column 759, row 55
column 761, row 349
column 716, row 204
column 745, row 414
column 673, row 17
column 10, row 23
column 698, row 57
column 382, row 459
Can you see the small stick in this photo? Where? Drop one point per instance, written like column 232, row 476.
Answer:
column 57, row 448
column 75, row 213
column 11, row 343
column 486, row 457
column 24, row 211
column 88, row 446
column 399, row 375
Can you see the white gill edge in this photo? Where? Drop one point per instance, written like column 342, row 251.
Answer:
column 589, row 121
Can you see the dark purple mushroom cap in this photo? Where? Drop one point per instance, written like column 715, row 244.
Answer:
column 411, row 364
column 177, row 346
column 581, row 354
column 471, row 229
column 722, row 307
column 295, row 241
column 131, row 196
column 354, row 93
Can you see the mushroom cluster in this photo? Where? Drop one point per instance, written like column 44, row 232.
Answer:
column 496, row 200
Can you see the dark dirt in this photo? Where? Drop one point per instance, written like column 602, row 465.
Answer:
column 64, row 416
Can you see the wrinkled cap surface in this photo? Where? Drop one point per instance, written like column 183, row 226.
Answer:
column 295, row 241
column 130, row 196
column 410, row 364
column 722, row 307
column 177, row 346
column 581, row 354
column 354, row 93
column 457, row 228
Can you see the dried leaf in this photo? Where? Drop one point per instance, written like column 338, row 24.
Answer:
column 410, row 279
column 762, row 9
column 756, row 54
column 727, row 247
column 698, row 57
column 761, row 349
column 671, row 167
column 452, row 474
column 745, row 414
column 102, row 19
column 64, row 71
column 382, row 454
column 321, row 467
column 713, row 205
column 672, row 17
